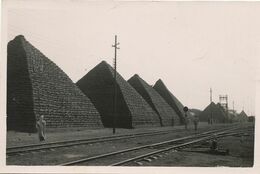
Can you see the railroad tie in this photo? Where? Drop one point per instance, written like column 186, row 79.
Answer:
column 154, row 157
column 147, row 159
column 139, row 163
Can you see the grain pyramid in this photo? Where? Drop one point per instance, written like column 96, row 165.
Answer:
column 218, row 113
column 167, row 115
column 36, row 86
column 242, row 116
column 132, row 109
column 225, row 118
column 170, row 99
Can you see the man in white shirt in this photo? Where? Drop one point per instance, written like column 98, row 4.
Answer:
column 41, row 126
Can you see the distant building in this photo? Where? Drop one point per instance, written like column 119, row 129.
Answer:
column 251, row 119
column 195, row 111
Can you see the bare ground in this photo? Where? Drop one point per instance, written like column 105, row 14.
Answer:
column 241, row 155
column 20, row 138
column 241, row 151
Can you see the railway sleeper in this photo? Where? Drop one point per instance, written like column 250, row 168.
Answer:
column 154, row 157
column 139, row 163
column 147, row 159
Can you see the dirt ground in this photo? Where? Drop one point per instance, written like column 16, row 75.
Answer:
column 241, row 148
column 61, row 155
column 241, row 154
column 20, row 138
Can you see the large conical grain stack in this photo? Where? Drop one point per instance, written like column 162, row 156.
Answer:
column 242, row 116
column 37, row 86
column 131, row 109
column 218, row 113
column 167, row 115
column 170, row 99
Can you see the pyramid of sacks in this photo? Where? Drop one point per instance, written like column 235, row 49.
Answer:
column 242, row 116
column 167, row 115
column 170, row 99
column 131, row 109
column 37, row 86
column 218, row 114
column 232, row 117
column 227, row 116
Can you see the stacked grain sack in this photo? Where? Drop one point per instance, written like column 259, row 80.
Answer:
column 131, row 109
column 167, row 115
column 170, row 99
column 217, row 112
column 37, row 86
column 242, row 117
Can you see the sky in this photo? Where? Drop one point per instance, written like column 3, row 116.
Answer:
column 191, row 46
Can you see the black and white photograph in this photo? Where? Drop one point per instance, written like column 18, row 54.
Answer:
column 154, row 84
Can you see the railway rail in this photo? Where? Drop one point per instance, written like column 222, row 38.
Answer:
column 152, row 149
column 59, row 144
column 151, row 155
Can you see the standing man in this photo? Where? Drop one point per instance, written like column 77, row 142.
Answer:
column 41, row 126
column 196, row 122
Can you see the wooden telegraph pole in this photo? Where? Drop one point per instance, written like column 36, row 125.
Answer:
column 211, row 115
column 115, row 90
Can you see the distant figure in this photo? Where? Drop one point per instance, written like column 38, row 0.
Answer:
column 196, row 122
column 41, row 126
column 214, row 145
column 186, row 121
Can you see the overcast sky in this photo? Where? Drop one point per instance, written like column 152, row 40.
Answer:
column 191, row 46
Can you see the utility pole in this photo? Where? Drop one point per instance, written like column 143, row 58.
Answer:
column 210, row 95
column 115, row 90
column 233, row 107
column 211, row 115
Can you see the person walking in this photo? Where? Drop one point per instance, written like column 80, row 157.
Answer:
column 41, row 126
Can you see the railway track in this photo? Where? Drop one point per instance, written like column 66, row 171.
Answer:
column 59, row 144
column 152, row 155
column 10, row 151
column 125, row 156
